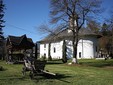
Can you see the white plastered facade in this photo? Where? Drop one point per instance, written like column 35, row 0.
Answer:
column 86, row 48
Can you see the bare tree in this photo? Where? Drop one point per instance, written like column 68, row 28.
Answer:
column 73, row 13
column 109, row 32
column 64, row 58
column 94, row 26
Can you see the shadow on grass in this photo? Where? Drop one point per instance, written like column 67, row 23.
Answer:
column 2, row 68
column 12, row 78
column 60, row 77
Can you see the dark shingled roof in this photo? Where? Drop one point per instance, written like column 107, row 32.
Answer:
column 65, row 34
column 19, row 42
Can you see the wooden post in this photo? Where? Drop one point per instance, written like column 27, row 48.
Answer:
column 36, row 51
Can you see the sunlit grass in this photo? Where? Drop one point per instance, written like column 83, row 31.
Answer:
column 88, row 72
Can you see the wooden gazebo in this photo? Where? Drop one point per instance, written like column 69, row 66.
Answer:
column 16, row 46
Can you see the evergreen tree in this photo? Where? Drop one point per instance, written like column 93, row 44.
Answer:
column 1, row 19
column 2, row 44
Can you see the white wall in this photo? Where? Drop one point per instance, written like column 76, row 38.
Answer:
column 69, row 49
column 55, row 50
column 44, row 50
column 58, row 50
column 86, row 47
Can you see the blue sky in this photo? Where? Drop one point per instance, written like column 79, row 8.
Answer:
column 24, row 16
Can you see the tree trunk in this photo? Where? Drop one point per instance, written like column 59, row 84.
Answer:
column 75, row 43
column 49, row 52
column 64, row 49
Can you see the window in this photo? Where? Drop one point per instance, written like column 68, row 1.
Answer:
column 79, row 54
column 44, row 45
column 96, row 48
column 44, row 55
column 54, row 49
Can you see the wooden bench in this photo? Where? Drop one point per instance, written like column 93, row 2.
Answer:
column 39, row 69
column 36, row 68
column 39, row 65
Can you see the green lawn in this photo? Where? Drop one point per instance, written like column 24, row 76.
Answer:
column 88, row 72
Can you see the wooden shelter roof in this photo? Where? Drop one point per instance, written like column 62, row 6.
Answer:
column 19, row 42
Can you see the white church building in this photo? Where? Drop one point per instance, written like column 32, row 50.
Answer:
column 53, row 45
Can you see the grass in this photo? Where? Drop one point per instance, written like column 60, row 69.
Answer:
column 88, row 72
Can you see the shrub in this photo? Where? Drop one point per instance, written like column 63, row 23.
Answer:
column 1, row 68
column 43, row 58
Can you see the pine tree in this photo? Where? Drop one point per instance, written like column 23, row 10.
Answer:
column 1, row 19
column 2, row 44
